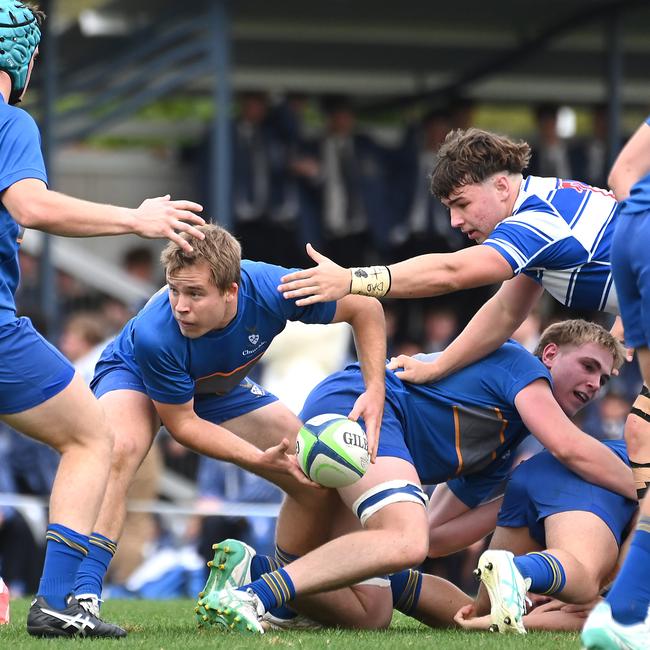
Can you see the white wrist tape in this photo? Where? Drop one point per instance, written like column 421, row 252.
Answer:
column 370, row 281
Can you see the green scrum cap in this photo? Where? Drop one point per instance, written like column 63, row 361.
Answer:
column 19, row 38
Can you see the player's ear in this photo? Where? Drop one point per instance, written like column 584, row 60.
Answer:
column 549, row 354
column 231, row 292
column 502, row 184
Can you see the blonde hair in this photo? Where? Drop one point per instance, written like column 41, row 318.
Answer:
column 577, row 332
column 472, row 155
column 219, row 249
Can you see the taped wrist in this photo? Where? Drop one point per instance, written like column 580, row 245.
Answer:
column 370, row 281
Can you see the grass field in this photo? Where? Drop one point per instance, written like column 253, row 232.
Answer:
column 169, row 625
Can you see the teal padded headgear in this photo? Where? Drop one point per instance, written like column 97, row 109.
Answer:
column 19, row 38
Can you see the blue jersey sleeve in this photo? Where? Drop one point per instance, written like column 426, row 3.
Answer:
column 20, row 149
column 529, row 238
column 266, row 278
column 513, row 368
column 162, row 370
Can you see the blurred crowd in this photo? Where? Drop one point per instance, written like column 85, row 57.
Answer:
column 356, row 198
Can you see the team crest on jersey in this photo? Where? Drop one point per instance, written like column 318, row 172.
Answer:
column 254, row 338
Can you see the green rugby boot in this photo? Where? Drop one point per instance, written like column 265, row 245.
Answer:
column 230, row 567
column 234, row 610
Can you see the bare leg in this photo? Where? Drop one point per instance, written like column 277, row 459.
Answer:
column 585, row 572
column 134, row 420
column 74, row 424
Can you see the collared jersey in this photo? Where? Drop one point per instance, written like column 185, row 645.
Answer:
column 464, row 423
column 20, row 158
column 174, row 368
column 559, row 234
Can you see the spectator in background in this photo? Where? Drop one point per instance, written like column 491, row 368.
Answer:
column 422, row 221
column 588, row 156
column 461, row 111
column 550, row 154
column 352, row 171
column 441, row 326
column 83, row 338
column 139, row 262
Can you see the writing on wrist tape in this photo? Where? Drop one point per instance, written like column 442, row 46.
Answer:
column 370, row 281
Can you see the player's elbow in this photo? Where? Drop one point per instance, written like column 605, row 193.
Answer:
column 34, row 213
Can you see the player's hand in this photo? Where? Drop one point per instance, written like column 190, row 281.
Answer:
column 618, row 333
column 409, row 369
column 163, row 218
column 277, row 459
column 465, row 618
column 370, row 407
column 322, row 283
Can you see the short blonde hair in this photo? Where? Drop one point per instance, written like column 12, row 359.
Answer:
column 219, row 249
column 577, row 332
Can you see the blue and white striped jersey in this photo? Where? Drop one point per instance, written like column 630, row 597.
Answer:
column 559, row 234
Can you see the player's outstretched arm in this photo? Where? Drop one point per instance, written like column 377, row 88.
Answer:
column 419, row 277
column 366, row 317
column 632, row 163
column 204, row 437
column 491, row 327
column 582, row 454
column 33, row 205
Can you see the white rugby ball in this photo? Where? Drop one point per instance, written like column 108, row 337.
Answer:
column 332, row 450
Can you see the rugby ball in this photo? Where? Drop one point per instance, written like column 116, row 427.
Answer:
column 332, row 450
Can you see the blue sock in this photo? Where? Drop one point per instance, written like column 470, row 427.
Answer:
column 261, row 564
column 283, row 558
column 64, row 550
column 406, row 586
column 630, row 596
column 91, row 573
column 273, row 589
column 544, row 570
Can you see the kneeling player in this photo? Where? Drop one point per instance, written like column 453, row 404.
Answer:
column 569, row 530
column 464, row 426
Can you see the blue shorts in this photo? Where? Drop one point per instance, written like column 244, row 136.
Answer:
column 630, row 257
column 244, row 398
column 31, row 369
column 338, row 393
column 542, row 486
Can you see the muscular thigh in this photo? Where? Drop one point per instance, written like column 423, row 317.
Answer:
column 134, row 421
column 71, row 416
column 266, row 426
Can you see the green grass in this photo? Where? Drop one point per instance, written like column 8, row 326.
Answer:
column 169, row 625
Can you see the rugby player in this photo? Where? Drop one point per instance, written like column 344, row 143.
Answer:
column 463, row 427
column 535, row 234
column 621, row 622
column 184, row 360
column 40, row 393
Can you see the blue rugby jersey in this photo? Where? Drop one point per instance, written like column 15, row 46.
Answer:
column 466, row 422
column 639, row 199
column 20, row 158
column 174, row 368
column 559, row 234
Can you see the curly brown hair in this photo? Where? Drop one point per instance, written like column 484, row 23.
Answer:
column 472, row 155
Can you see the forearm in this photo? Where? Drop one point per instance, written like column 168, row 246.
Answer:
column 214, row 441
column 426, row 275
column 369, row 330
column 60, row 214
